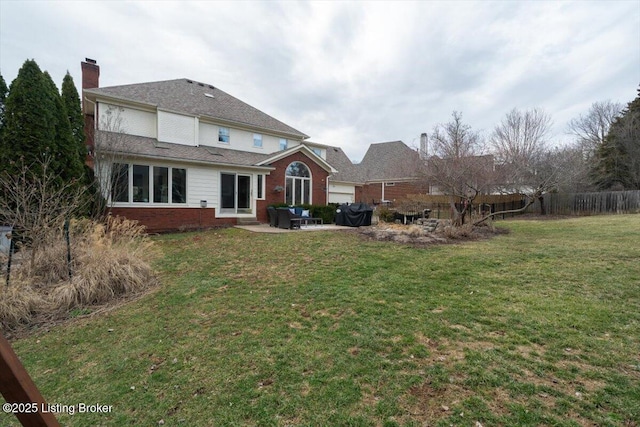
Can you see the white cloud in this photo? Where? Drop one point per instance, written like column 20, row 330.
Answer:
column 349, row 73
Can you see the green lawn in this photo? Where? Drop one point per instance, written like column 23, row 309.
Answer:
column 540, row 326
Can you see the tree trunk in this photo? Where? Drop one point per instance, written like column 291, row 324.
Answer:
column 456, row 218
column 543, row 209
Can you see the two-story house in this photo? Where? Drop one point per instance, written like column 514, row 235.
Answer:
column 184, row 154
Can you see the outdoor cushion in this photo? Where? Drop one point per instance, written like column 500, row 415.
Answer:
column 305, row 213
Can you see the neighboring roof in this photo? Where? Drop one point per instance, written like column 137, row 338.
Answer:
column 347, row 171
column 391, row 161
column 198, row 99
column 141, row 146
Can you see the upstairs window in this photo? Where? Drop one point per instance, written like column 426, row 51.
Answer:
column 284, row 144
column 223, row 135
column 257, row 140
column 317, row 151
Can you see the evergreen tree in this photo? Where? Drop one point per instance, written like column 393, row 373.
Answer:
column 71, row 101
column 3, row 98
column 66, row 162
column 28, row 130
column 618, row 165
column 36, row 129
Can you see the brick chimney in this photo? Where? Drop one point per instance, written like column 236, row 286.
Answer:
column 423, row 146
column 90, row 74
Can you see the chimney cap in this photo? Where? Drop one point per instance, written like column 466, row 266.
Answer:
column 90, row 61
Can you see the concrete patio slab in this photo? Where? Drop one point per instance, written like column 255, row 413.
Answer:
column 265, row 228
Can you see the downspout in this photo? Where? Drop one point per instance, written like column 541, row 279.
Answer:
column 382, row 197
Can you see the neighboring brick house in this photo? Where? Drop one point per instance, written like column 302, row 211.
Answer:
column 393, row 170
column 183, row 154
column 389, row 171
column 345, row 186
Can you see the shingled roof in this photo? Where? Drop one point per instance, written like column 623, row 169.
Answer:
column 391, row 161
column 198, row 99
column 347, row 171
column 140, row 146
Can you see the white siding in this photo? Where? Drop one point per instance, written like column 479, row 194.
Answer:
column 239, row 139
column 176, row 128
column 243, row 140
column 127, row 120
column 202, row 184
column 323, row 151
column 341, row 193
column 207, row 134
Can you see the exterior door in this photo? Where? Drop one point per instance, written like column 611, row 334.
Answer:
column 235, row 193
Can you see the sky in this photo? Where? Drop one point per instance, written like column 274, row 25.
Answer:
column 349, row 74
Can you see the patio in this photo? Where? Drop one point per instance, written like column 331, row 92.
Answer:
column 265, row 228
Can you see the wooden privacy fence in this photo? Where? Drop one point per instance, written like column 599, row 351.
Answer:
column 441, row 208
column 600, row 203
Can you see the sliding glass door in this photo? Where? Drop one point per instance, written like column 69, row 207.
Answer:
column 235, row 193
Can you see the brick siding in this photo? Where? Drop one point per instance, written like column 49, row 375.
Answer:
column 160, row 220
column 276, row 178
column 372, row 193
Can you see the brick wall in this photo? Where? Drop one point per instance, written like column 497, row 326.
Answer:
column 318, row 181
column 159, row 220
column 372, row 193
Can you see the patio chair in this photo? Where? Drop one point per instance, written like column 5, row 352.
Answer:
column 273, row 216
column 288, row 219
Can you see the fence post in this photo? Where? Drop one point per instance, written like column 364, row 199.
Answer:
column 12, row 248
column 66, row 236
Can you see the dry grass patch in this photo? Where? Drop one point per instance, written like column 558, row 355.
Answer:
column 107, row 260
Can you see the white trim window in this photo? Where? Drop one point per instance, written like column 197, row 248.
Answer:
column 260, row 183
column 223, row 135
column 160, row 185
column 297, row 184
column 284, row 144
column 257, row 140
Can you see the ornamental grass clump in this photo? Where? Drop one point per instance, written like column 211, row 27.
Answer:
column 18, row 304
column 108, row 259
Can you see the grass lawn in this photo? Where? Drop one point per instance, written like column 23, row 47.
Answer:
column 540, row 326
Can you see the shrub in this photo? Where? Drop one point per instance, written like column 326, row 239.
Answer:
column 459, row 232
column 108, row 259
column 18, row 303
column 326, row 212
column 385, row 214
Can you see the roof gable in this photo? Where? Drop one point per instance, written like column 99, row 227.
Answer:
column 298, row 148
column 391, row 160
column 197, row 99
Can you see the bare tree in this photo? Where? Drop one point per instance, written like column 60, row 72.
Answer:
column 573, row 174
column 459, row 166
column 36, row 204
column 525, row 163
column 592, row 128
column 107, row 158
